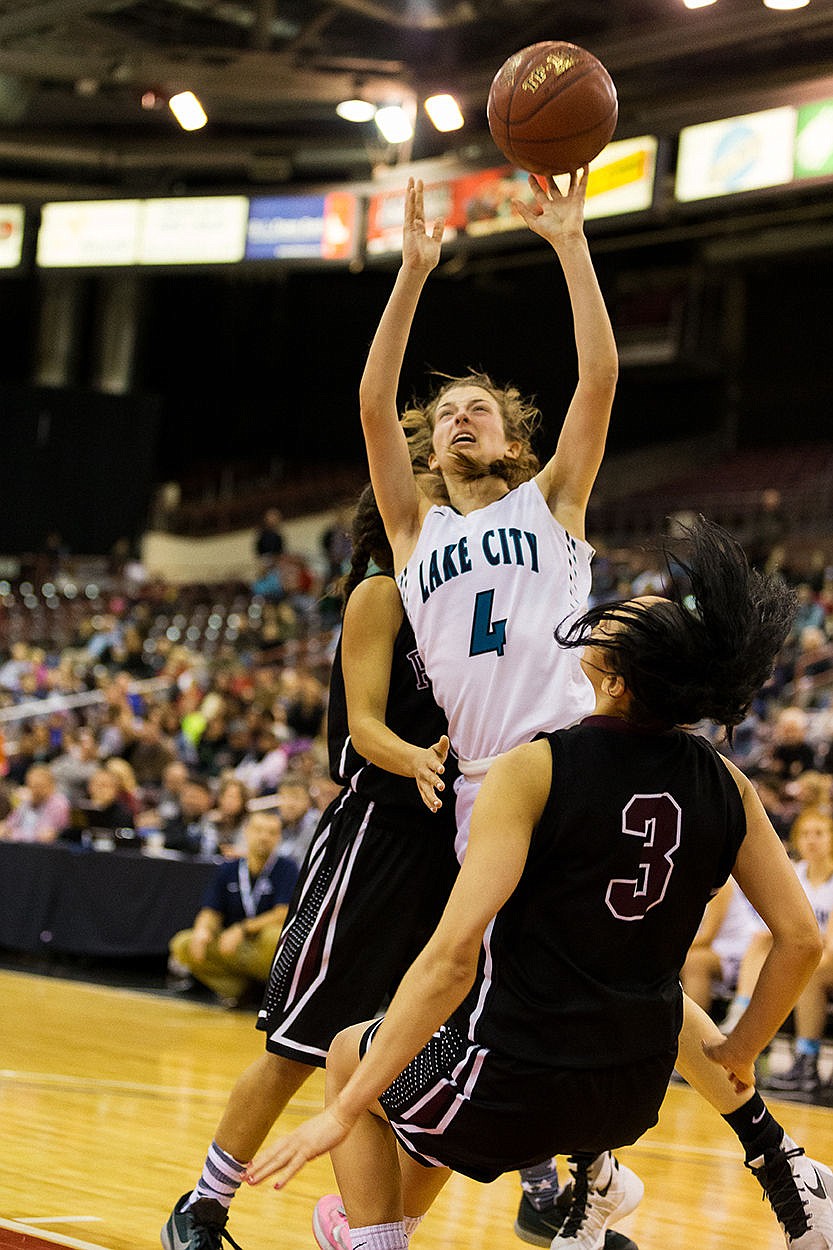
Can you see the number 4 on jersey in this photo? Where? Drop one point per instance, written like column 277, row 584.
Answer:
column 486, row 634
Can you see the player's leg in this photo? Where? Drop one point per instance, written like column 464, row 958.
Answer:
column 810, row 1016
column 799, row 1190
column 213, row 969
column 259, row 1096
column 701, row 969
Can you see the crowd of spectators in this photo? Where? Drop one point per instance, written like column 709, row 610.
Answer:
column 167, row 715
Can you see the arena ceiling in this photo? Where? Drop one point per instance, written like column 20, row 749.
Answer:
column 270, row 72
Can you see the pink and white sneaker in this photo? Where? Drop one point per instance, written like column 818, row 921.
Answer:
column 329, row 1224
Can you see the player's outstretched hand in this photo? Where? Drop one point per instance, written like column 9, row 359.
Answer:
column 420, row 249
column 428, row 771
column 556, row 215
column 741, row 1071
column 289, row 1154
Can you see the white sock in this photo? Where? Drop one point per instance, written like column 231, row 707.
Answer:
column 380, row 1237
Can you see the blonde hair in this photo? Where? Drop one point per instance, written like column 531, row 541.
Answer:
column 521, row 419
column 804, row 818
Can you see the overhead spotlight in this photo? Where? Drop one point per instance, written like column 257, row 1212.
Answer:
column 394, row 124
column 698, row 4
column 786, row 4
column 444, row 112
column 356, row 110
column 187, row 110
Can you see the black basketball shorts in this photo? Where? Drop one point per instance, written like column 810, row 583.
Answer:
column 370, row 894
column 461, row 1106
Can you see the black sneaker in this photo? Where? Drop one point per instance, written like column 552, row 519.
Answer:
column 802, row 1078
column 539, row 1227
column 799, row 1191
column 201, row 1227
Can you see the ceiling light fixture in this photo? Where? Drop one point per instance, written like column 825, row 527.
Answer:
column 444, row 112
column 786, row 4
column 698, row 4
column 393, row 124
column 187, row 110
column 356, row 110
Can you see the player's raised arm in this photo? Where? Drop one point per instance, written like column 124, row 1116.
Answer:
column 567, row 479
column 390, row 465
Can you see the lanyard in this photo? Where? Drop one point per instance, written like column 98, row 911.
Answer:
column 251, row 897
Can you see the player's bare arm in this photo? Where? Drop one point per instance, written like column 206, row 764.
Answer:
column 567, row 479
column 400, row 501
column 371, row 622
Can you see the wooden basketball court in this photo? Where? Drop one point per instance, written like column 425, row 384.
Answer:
column 109, row 1098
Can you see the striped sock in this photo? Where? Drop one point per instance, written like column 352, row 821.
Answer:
column 221, row 1177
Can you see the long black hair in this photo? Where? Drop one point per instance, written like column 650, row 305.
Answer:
column 705, row 651
column 370, row 544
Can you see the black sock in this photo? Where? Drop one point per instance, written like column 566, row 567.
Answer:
column 756, row 1127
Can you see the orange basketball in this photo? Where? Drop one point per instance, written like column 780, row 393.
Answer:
column 552, row 108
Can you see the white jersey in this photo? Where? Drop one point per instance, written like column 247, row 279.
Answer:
column 484, row 593
column 820, row 896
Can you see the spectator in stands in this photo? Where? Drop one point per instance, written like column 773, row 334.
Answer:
column 230, row 815
column 168, row 800
column 269, row 542
column 791, row 752
column 192, row 830
column 713, row 962
column 770, row 528
column 129, row 792
column 77, row 763
column 812, row 839
column 305, row 707
column 813, row 672
column 105, row 810
column 264, row 764
column 809, row 612
column 40, row 813
column 337, row 545
column 150, row 753
column 34, row 746
column 298, row 817
column 231, row 945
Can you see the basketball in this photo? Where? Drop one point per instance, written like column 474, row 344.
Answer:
column 552, row 108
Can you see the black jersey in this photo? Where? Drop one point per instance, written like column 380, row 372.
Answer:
column 581, row 966
column 412, row 714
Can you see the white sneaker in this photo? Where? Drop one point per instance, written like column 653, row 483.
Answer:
column 612, row 1194
column 800, row 1192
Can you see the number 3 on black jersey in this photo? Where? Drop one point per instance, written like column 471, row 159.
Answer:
column 656, row 819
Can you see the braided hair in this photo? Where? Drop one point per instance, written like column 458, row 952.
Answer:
column 705, row 651
column 370, row 545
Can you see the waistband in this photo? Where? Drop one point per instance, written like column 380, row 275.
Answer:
column 475, row 770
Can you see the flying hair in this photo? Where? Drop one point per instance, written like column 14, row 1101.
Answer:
column 705, row 651
column 521, row 419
